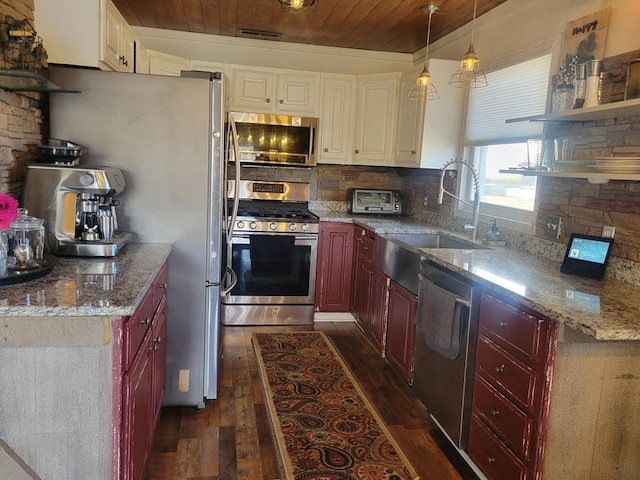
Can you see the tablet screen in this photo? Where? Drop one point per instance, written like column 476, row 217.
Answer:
column 589, row 250
column 586, row 255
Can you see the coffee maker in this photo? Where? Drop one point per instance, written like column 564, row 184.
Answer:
column 78, row 206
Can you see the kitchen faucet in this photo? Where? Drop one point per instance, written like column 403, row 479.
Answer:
column 476, row 196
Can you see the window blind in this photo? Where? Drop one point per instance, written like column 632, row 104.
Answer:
column 513, row 92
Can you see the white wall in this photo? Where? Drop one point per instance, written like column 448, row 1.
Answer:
column 266, row 53
column 520, row 26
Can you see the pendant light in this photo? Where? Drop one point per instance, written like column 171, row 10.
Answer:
column 469, row 74
column 296, row 6
column 424, row 89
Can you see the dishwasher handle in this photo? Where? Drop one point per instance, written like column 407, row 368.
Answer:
column 442, row 318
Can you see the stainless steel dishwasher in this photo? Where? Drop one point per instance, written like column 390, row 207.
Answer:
column 443, row 381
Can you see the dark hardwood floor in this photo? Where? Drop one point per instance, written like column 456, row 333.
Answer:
column 230, row 438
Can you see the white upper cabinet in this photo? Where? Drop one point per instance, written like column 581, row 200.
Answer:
column 89, row 33
column 409, row 123
column 357, row 119
column 377, row 96
column 428, row 133
column 268, row 90
column 164, row 64
column 336, row 123
column 116, row 45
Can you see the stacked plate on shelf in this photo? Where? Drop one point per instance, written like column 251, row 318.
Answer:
column 616, row 165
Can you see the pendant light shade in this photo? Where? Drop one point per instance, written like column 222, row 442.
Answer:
column 296, row 6
column 424, row 89
column 469, row 74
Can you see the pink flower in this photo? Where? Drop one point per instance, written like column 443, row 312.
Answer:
column 8, row 209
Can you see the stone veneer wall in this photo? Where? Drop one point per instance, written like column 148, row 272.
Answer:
column 586, row 207
column 21, row 125
column 331, row 183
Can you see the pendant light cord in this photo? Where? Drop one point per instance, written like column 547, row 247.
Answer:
column 473, row 23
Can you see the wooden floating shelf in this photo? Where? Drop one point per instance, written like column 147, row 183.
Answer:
column 627, row 108
column 592, row 177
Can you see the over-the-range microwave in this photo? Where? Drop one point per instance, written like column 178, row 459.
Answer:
column 273, row 139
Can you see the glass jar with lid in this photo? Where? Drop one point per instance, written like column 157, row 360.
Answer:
column 25, row 230
column 562, row 98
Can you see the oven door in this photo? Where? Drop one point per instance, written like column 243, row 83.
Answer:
column 273, row 269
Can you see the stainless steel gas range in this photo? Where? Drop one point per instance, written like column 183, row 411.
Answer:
column 273, row 250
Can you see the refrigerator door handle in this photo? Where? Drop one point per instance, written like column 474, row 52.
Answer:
column 230, row 221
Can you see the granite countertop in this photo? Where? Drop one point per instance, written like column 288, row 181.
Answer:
column 607, row 309
column 88, row 286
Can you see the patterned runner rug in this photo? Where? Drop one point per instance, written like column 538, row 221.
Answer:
column 325, row 427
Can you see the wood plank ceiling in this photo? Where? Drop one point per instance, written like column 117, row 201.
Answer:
column 383, row 25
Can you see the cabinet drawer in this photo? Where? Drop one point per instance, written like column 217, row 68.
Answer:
column 493, row 458
column 518, row 330
column 510, row 422
column 136, row 327
column 514, row 376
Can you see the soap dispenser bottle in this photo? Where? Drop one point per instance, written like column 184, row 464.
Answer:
column 494, row 235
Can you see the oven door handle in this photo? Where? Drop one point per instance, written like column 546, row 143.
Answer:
column 247, row 236
column 224, row 291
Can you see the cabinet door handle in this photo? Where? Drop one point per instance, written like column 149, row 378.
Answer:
column 281, row 102
column 499, row 368
column 495, row 412
column 357, row 151
column 490, row 459
column 123, row 60
column 146, row 321
column 268, row 100
column 502, row 324
column 326, row 150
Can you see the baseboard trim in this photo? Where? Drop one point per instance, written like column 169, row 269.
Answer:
column 319, row 317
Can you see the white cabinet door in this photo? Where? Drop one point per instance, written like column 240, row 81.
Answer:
column 428, row 133
column 297, row 93
column 273, row 91
column 409, row 123
column 336, row 125
column 127, row 51
column 253, row 90
column 376, row 118
column 164, row 64
column 116, row 50
column 111, row 37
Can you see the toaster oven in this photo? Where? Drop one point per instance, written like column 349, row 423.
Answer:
column 362, row 200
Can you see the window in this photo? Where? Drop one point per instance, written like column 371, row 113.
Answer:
column 495, row 146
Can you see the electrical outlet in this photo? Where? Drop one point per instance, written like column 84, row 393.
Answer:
column 552, row 226
column 608, row 231
column 425, row 201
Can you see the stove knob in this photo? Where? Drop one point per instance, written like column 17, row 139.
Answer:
column 253, row 225
column 305, row 227
column 273, row 226
column 241, row 225
column 292, row 226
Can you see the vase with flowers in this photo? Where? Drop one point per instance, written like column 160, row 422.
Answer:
column 8, row 209
column 8, row 213
column 564, row 93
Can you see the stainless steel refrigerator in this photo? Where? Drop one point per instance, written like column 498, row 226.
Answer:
column 165, row 134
